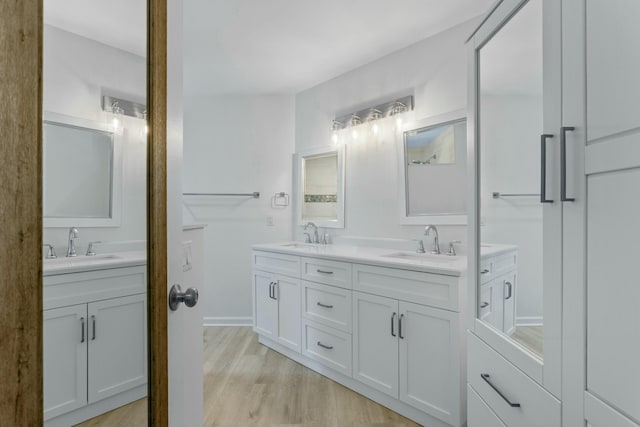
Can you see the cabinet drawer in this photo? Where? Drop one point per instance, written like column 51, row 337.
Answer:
column 485, row 271
column 494, row 266
column 478, row 413
column 288, row 265
column 328, row 346
column 599, row 414
column 435, row 290
column 334, row 273
column 539, row 408
column 328, row 305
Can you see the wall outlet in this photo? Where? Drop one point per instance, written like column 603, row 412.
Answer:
column 270, row 221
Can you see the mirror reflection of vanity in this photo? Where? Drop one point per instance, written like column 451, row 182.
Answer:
column 321, row 187
column 82, row 173
column 433, row 168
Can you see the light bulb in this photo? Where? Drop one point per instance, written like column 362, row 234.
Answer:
column 334, row 138
column 399, row 122
column 115, row 123
column 375, row 129
column 354, row 134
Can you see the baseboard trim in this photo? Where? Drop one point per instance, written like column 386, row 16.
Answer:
column 529, row 321
column 228, row 321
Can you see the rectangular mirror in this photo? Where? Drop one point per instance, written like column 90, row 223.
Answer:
column 433, row 168
column 321, row 187
column 81, row 168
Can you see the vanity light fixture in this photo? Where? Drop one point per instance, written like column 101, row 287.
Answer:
column 119, row 108
column 372, row 114
column 117, row 113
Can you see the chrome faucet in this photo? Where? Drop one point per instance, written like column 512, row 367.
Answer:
column 73, row 235
column 90, row 250
column 52, row 253
column 314, row 238
column 436, row 242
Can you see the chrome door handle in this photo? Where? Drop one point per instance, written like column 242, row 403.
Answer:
column 563, row 163
column 400, row 326
column 324, row 305
column 393, row 318
column 328, row 347
column 82, row 330
column 510, row 285
column 176, row 296
column 484, row 305
column 543, row 168
column 486, row 378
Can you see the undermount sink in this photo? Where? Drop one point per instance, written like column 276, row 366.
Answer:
column 82, row 259
column 410, row 256
column 301, row 245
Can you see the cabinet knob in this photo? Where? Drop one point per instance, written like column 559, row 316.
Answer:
column 176, row 296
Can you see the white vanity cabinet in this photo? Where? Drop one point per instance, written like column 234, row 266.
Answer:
column 497, row 294
column 95, row 342
column 392, row 334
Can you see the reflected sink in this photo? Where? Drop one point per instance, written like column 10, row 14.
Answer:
column 301, row 245
column 82, row 259
column 432, row 258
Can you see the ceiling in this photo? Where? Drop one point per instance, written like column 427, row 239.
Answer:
column 274, row 46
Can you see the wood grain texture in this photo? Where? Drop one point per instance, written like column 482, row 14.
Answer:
column 158, row 402
column 532, row 337
column 248, row 384
column 21, row 212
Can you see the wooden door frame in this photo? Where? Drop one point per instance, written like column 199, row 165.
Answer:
column 21, row 32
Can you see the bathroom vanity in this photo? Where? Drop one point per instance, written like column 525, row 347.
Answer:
column 95, row 335
column 387, row 324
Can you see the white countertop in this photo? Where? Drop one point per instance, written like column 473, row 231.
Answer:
column 429, row 263
column 488, row 250
column 66, row 265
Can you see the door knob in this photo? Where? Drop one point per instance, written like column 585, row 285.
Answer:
column 176, row 296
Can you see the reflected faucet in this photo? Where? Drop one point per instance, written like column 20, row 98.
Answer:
column 436, row 242
column 313, row 239
column 73, row 235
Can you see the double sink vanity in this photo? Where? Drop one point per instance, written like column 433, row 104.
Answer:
column 95, row 334
column 386, row 323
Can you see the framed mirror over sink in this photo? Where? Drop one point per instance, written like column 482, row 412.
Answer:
column 432, row 167
column 82, row 172
column 320, row 192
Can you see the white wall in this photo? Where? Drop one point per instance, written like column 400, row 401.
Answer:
column 236, row 144
column 510, row 156
column 435, row 72
column 76, row 72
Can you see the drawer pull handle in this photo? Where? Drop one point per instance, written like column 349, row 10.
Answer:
column 393, row 318
column 82, row 330
column 510, row 286
column 486, row 378
column 324, row 305
column 485, row 271
column 400, row 326
column 324, row 271
column 328, row 347
column 484, row 305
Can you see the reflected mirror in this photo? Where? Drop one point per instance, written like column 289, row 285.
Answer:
column 321, row 194
column 81, row 168
column 433, row 164
column 511, row 215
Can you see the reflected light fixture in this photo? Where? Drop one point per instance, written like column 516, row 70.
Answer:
column 117, row 112
column 372, row 116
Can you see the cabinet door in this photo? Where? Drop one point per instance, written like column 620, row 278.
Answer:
column 509, row 303
column 287, row 295
column 117, row 336
column 429, row 360
column 490, row 309
column 65, row 359
column 265, row 307
column 479, row 413
column 375, row 342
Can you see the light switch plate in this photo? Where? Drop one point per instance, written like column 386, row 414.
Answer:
column 187, row 258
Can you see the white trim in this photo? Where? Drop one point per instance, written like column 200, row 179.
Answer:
column 116, row 174
column 440, row 218
column 228, row 321
column 529, row 321
column 299, row 167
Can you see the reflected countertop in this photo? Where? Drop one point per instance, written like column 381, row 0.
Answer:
column 83, row 263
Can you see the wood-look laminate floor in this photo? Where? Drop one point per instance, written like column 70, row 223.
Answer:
column 247, row 384
column 532, row 337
